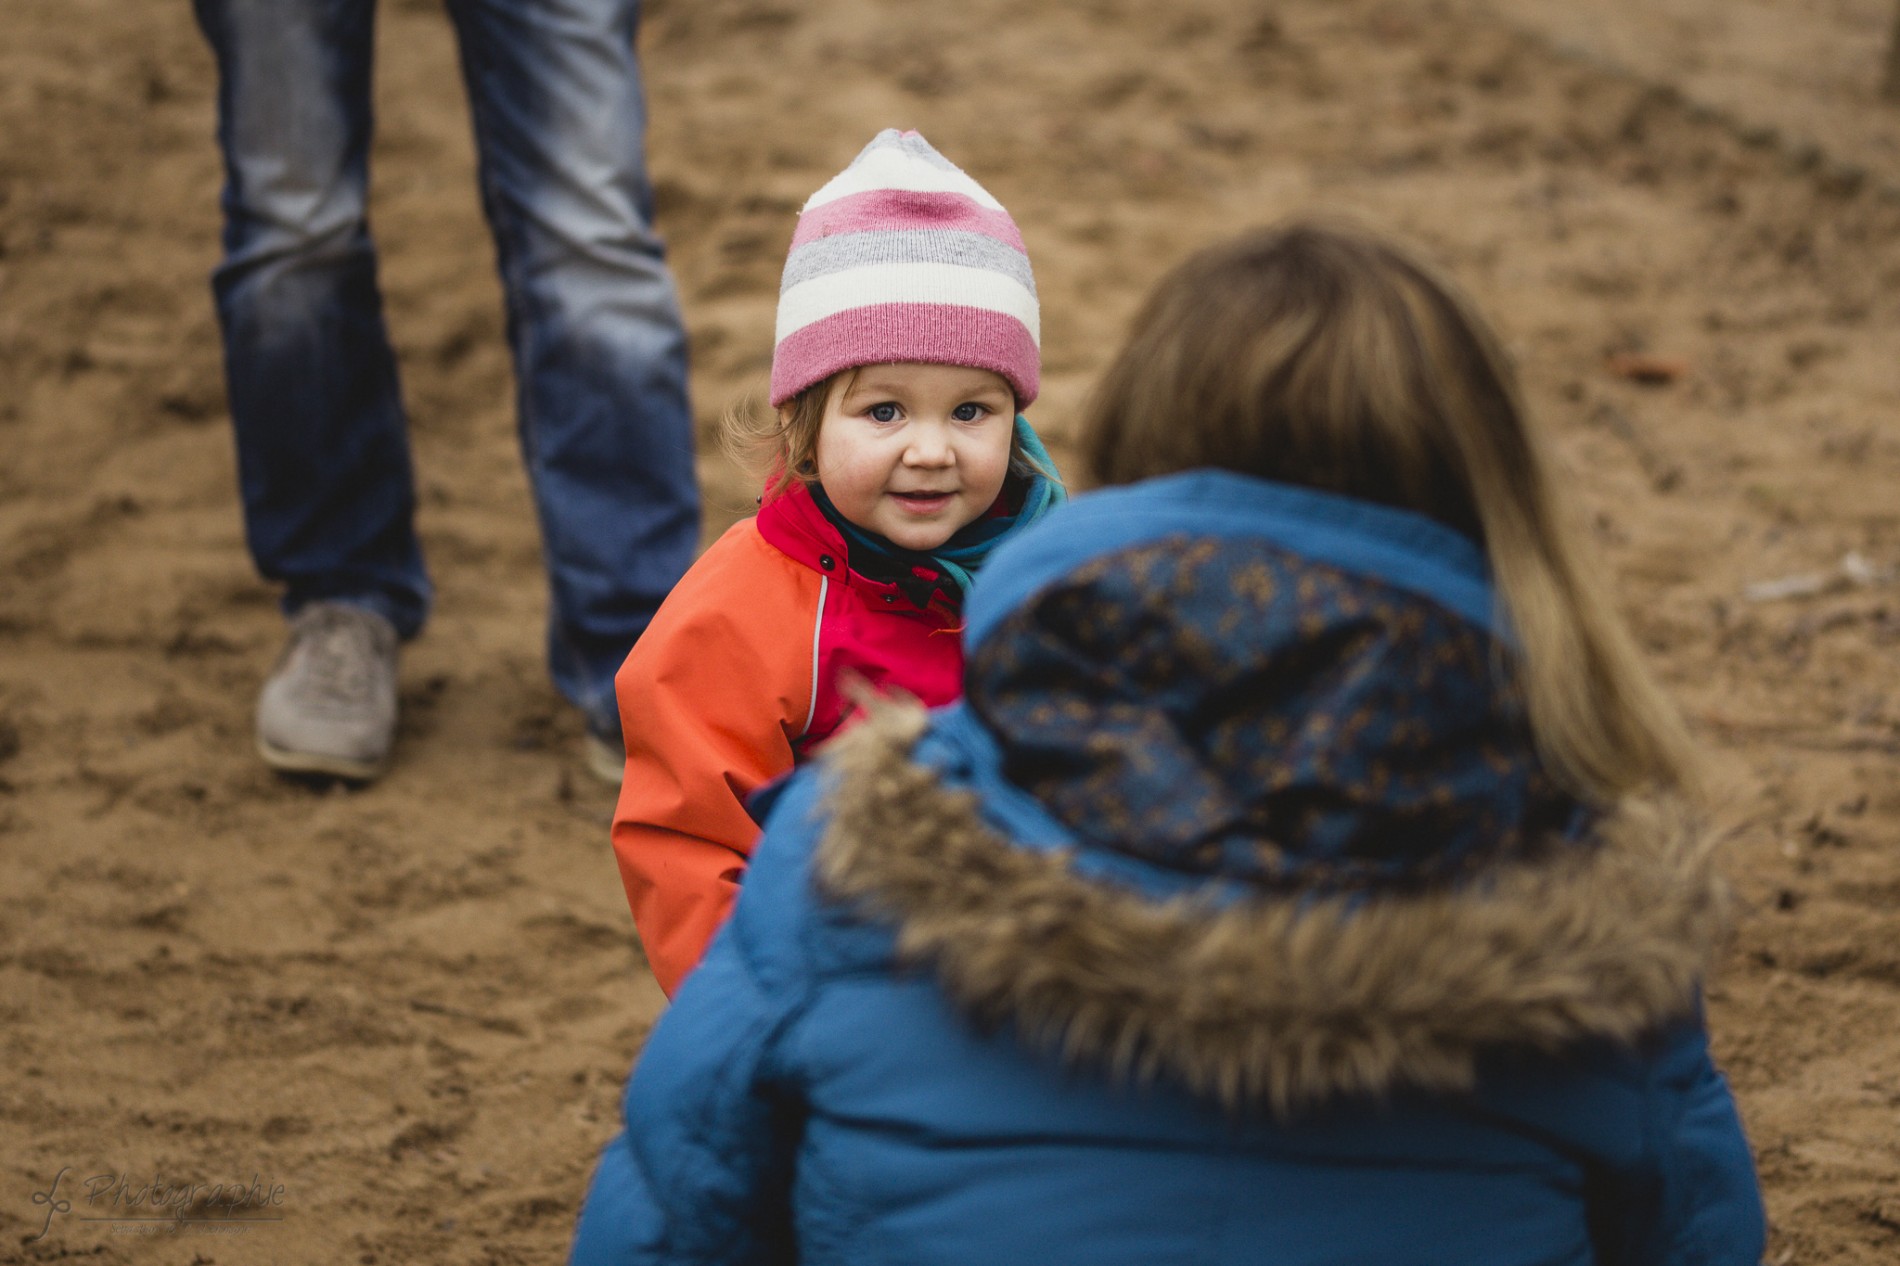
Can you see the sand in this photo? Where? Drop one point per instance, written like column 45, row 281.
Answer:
column 411, row 1007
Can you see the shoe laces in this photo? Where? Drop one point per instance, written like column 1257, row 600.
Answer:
column 341, row 650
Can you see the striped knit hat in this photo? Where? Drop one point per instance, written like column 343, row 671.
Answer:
column 903, row 257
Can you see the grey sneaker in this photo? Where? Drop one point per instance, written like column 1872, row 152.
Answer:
column 606, row 757
column 329, row 706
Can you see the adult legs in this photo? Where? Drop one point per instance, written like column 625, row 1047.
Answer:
column 593, row 321
column 323, row 454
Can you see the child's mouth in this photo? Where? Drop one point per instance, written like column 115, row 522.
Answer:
column 922, row 502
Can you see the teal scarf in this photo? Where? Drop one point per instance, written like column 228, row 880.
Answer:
column 957, row 559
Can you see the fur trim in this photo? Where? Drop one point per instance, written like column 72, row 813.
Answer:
column 1269, row 1002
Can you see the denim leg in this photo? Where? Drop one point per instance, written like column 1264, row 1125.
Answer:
column 323, row 450
column 593, row 321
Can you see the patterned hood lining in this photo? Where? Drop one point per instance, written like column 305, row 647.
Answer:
column 1228, row 707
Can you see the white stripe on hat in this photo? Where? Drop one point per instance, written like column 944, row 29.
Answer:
column 890, row 167
column 825, row 296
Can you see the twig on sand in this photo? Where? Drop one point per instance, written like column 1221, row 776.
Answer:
column 1800, row 735
column 1852, row 571
column 1647, row 370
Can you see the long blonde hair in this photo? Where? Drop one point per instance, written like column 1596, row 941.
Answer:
column 1319, row 354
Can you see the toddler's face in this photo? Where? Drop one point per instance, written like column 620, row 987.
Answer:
column 914, row 452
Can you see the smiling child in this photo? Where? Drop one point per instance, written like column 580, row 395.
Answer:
column 908, row 342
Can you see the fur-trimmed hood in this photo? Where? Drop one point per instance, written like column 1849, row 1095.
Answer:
column 1270, row 986
column 1275, row 1002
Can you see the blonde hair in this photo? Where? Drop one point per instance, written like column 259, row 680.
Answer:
column 1318, row 354
column 782, row 446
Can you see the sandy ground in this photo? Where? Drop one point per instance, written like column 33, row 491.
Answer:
column 411, row 1007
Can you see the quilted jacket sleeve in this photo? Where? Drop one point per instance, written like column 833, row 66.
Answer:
column 1696, row 1201
column 702, row 1172
column 715, row 1108
column 712, row 698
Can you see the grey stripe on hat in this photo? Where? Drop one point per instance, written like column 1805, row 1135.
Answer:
column 834, row 254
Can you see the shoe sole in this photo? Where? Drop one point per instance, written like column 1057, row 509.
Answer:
column 285, row 761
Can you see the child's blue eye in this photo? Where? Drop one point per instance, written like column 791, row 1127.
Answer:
column 882, row 412
column 968, row 412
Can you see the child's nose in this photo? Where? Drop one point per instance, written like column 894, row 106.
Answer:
column 929, row 446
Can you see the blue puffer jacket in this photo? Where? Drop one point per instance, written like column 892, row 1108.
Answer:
column 1230, row 919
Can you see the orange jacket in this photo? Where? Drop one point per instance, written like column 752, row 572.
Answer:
column 735, row 680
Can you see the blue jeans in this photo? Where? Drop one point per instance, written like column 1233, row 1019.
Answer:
column 593, row 322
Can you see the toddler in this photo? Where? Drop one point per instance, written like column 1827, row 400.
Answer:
column 907, row 346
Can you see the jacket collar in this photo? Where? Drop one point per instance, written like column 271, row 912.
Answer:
column 794, row 525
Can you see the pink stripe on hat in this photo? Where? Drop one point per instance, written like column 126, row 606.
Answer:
column 885, row 209
column 884, row 333
column 903, row 257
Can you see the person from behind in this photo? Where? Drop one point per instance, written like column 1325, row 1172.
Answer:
column 1307, row 874
column 908, row 342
